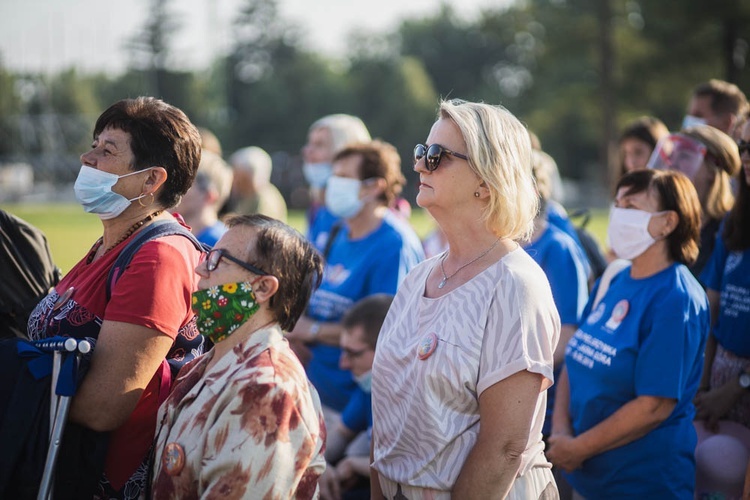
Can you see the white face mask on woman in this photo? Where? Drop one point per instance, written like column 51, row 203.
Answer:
column 628, row 232
column 317, row 174
column 342, row 196
column 93, row 189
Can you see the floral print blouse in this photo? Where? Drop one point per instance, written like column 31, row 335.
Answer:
column 251, row 426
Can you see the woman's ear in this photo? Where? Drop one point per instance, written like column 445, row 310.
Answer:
column 265, row 288
column 483, row 191
column 671, row 219
column 155, row 179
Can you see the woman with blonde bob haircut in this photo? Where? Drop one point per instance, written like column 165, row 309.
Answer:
column 475, row 325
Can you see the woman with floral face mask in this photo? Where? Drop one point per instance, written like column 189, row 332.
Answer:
column 622, row 425
column 243, row 421
column 369, row 253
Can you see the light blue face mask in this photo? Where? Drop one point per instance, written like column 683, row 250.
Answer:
column 93, row 189
column 692, row 121
column 317, row 174
column 342, row 196
column 364, row 381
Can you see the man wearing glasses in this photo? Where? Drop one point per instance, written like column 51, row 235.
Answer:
column 348, row 444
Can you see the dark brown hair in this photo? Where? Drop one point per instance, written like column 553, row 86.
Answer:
column 645, row 129
column 284, row 253
column 379, row 160
column 675, row 192
column 726, row 98
column 161, row 135
column 369, row 313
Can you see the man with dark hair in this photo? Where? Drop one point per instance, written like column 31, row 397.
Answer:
column 351, row 465
column 716, row 103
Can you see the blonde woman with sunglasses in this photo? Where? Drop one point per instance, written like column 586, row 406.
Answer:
column 465, row 354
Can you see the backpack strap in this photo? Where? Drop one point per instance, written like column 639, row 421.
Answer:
column 155, row 230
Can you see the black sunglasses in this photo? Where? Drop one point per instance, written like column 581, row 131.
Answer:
column 432, row 155
column 214, row 257
column 743, row 146
column 352, row 354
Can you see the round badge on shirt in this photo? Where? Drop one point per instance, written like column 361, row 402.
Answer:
column 427, row 346
column 173, row 459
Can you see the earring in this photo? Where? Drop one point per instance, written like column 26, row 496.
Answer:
column 476, row 194
column 146, row 206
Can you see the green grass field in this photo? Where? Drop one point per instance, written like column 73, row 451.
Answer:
column 71, row 232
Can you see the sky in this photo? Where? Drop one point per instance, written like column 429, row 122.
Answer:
column 49, row 35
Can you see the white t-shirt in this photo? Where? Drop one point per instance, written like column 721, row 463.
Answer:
column 426, row 412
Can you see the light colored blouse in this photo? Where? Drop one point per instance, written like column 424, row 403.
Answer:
column 426, row 411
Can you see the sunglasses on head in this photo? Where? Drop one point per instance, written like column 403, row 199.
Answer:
column 214, row 256
column 743, row 146
column 432, row 155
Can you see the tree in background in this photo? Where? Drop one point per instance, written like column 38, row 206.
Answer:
column 574, row 70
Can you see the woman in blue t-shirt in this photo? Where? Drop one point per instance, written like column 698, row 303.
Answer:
column 723, row 400
column 370, row 251
column 622, row 424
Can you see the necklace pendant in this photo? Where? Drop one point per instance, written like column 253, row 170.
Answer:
column 442, row 283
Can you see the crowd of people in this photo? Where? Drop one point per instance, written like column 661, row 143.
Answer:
column 235, row 357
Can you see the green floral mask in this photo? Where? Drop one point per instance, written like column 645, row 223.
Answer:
column 222, row 309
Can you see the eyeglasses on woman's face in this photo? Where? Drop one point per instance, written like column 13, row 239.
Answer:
column 432, row 155
column 743, row 146
column 214, row 256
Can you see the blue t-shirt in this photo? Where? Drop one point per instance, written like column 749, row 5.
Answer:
column 320, row 222
column 211, row 234
column 645, row 338
column 729, row 274
column 354, row 270
column 557, row 217
column 562, row 262
column 357, row 416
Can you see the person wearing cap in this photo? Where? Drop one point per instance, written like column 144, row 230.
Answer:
column 723, row 400
column 709, row 158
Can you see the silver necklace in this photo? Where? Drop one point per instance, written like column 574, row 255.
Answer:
column 446, row 277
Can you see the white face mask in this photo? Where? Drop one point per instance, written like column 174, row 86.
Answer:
column 692, row 121
column 317, row 174
column 364, row 381
column 628, row 232
column 93, row 189
column 342, row 196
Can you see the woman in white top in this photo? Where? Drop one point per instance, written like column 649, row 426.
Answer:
column 470, row 336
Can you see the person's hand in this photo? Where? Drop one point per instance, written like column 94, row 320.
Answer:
column 714, row 404
column 329, row 484
column 563, row 451
column 346, row 472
